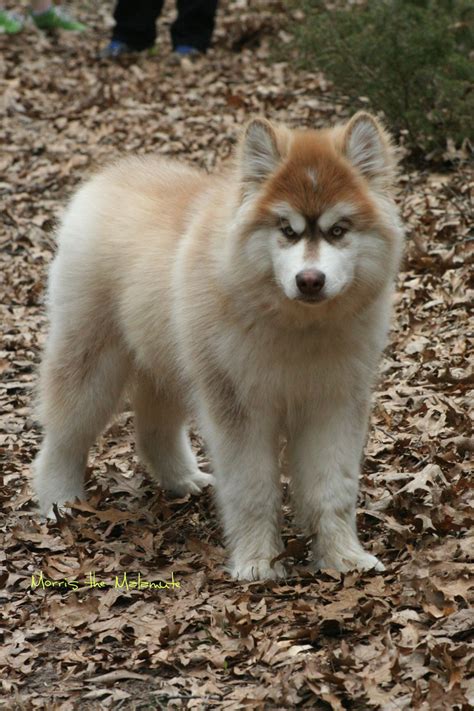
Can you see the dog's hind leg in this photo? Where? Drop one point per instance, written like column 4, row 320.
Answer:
column 163, row 441
column 82, row 377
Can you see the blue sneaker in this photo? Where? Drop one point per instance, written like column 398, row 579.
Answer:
column 185, row 50
column 115, row 48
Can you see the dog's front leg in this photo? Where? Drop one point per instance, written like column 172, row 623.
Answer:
column 244, row 450
column 325, row 451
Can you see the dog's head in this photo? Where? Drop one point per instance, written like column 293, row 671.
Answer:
column 317, row 213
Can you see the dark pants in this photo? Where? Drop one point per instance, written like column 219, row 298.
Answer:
column 136, row 23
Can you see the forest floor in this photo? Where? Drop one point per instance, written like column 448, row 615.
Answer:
column 394, row 640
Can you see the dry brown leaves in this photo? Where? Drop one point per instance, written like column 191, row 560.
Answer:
column 398, row 640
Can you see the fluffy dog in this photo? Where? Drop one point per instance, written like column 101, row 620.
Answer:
column 259, row 300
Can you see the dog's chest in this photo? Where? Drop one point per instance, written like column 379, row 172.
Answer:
column 286, row 366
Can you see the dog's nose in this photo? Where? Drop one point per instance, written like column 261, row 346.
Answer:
column 310, row 281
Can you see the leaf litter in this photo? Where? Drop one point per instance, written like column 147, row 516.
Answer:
column 394, row 640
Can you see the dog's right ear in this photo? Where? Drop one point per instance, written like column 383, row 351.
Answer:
column 259, row 154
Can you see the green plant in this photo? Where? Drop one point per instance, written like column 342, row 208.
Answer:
column 411, row 59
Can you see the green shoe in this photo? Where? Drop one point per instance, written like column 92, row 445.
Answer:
column 10, row 23
column 56, row 18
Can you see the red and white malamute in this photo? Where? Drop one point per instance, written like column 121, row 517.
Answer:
column 258, row 300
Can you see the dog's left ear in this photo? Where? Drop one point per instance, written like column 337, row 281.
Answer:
column 259, row 155
column 369, row 148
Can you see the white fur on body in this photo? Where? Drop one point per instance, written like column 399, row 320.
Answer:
column 154, row 288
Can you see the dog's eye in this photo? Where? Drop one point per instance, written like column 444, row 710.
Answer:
column 337, row 231
column 288, row 230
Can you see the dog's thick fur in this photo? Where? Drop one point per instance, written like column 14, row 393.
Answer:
column 184, row 287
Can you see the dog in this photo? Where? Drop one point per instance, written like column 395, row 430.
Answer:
column 257, row 300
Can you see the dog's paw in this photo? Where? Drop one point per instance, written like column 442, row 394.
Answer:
column 343, row 563
column 258, row 569
column 50, row 515
column 194, row 484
